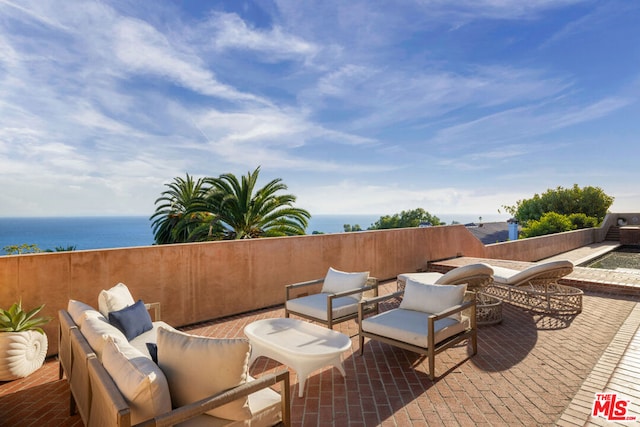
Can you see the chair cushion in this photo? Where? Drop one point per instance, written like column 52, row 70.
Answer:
column 133, row 320
column 552, row 269
column 114, row 299
column 141, row 382
column 430, row 277
column 339, row 281
column 151, row 336
column 316, row 306
column 434, row 299
column 265, row 407
column 197, row 367
column 458, row 274
column 410, row 326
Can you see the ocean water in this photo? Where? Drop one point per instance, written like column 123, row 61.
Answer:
column 119, row 232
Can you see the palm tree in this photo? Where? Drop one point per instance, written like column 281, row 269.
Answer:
column 246, row 213
column 175, row 218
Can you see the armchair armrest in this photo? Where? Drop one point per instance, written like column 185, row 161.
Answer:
column 293, row 286
column 194, row 409
column 455, row 309
column 155, row 306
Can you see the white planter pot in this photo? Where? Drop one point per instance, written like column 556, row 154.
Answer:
column 21, row 353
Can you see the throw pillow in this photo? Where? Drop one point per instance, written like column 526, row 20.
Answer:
column 141, row 382
column 132, row 321
column 339, row 281
column 114, row 299
column 97, row 330
column 79, row 310
column 197, row 367
column 432, row 299
column 153, row 351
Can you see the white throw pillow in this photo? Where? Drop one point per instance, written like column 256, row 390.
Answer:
column 432, row 299
column 96, row 331
column 141, row 382
column 198, row 367
column 114, row 299
column 79, row 310
column 339, row 281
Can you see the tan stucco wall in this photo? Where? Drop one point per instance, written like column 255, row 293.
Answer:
column 203, row 281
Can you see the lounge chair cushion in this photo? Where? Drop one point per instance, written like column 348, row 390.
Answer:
column 429, row 298
column 141, row 382
column 133, row 320
column 114, row 299
column 316, row 306
column 197, row 367
column 431, row 277
column 458, row 274
column 339, row 281
column 410, row 326
column 508, row 276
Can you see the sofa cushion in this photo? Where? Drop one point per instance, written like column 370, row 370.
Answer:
column 140, row 342
column 141, row 382
column 432, row 299
column 96, row 331
column 339, row 281
column 114, row 299
column 79, row 310
column 197, row 367
column 133, row 320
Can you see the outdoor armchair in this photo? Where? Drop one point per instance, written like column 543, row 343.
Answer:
column 337, row 300
column 428, row 321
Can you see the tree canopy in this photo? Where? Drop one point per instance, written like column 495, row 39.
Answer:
column 561, row 209
column 224, row 208
column 591, row 201
column 404, row 219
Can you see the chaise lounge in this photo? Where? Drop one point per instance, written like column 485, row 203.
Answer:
column 536, row 288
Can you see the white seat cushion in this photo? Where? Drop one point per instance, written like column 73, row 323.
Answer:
column 97, row 330
column 265, row 407
column 316, row 306
column 410, row 326
column 140, row 342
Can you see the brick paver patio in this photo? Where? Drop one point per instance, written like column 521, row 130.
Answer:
column 527, row 372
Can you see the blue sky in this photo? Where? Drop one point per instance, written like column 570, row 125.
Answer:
column 360, row 107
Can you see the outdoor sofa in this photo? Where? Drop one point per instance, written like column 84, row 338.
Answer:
column 197, row 381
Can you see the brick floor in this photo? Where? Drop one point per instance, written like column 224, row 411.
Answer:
column 529, row 370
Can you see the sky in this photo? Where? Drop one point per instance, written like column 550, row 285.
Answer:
column 359, row 107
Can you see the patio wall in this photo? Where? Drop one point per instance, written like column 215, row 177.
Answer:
column 202, row 281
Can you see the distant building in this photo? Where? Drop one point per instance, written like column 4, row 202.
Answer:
column 490, row 232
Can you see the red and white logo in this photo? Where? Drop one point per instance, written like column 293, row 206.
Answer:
column 611, row 407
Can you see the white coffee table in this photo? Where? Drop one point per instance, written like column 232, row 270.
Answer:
column 303, row 346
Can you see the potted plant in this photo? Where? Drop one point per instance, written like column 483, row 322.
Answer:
column 23, row 343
